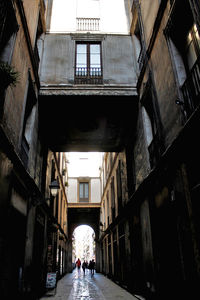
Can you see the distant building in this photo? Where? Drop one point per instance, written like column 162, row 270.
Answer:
column 84, row 186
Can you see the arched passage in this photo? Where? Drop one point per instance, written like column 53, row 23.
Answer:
column 83, row 244
column 84, row 216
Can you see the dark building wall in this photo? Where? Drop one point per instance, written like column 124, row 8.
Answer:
column 21, row 150
column 162, row 208
column 164, row 182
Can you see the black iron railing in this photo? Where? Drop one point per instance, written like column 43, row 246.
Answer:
column 191, row 89
column 88, row 75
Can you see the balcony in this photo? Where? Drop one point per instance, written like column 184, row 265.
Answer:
column 88, row 76
column 191, row 89
column 87, row 24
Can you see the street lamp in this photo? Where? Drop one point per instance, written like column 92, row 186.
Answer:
column 54, row 187
column 101, row 225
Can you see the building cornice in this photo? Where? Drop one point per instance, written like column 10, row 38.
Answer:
column 76, row 90
column 83, row 205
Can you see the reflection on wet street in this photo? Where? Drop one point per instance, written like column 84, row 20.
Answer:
column 77, row 286
column 84, row 287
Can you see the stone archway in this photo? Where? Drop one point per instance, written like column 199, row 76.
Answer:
column 83, row 244
column 83, row 216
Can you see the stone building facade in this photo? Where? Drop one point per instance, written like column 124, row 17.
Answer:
column 159, row 222
column 29, row 225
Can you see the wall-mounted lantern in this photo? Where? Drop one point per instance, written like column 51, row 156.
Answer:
column 54, row 188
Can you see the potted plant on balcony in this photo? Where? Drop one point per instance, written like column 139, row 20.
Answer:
column 8, row 75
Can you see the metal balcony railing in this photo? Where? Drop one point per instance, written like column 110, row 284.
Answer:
column 87, row 24
column 88, row 76
column 191, row 89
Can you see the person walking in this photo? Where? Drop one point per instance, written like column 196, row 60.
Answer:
column 84, row 265
column 92, row 266
column 78, row 263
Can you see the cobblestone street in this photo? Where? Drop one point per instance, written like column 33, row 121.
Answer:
column 77, row 286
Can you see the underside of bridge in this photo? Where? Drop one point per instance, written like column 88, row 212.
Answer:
column 83, row 216
column 87, row 123
column 101, row 123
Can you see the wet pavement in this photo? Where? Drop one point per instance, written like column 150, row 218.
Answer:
column 77, row 286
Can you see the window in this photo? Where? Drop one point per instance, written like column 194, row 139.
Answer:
column 113, row 198
column 108, row 209
column 191, row 86
column 88, row 63
column 8, row 23
column 38, row 34
column 152, row 125
column 83, row 192
column 138, row 36
column 192, row 46
column 119, row 186
column 184, row 48
column 28, row 125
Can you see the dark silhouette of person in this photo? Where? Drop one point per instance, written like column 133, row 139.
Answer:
column 84, row 266
column 92, row 266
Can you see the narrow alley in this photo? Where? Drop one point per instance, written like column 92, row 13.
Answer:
column 99, row 118
column 77, row 286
